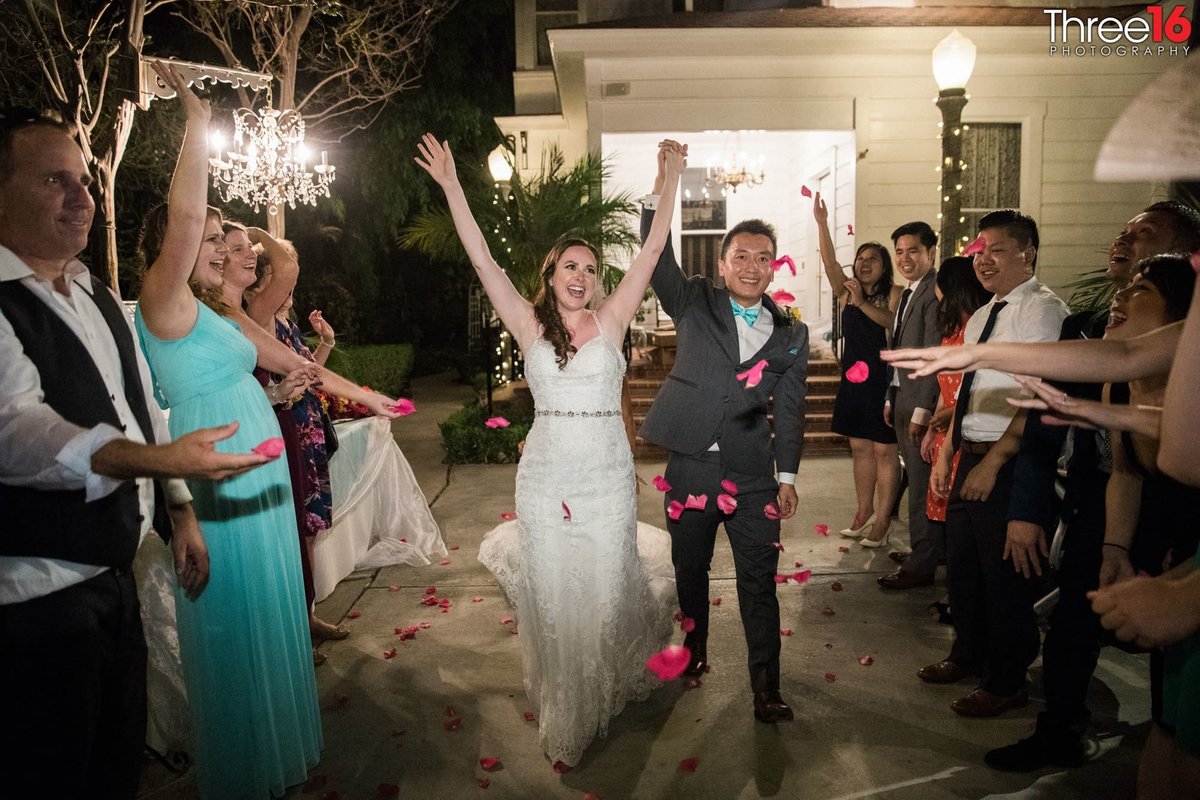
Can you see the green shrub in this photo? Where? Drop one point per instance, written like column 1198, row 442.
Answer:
column 386, row 368
column 468, row 441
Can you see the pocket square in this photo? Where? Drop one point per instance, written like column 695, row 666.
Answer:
column 793, row 351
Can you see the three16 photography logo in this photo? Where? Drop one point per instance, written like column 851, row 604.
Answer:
column 1161, row 32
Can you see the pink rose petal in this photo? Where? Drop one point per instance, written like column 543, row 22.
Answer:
column 429, row 601
column 782, row 578
column 687, row 624
column 403, row 407
column 507, row 515
column 393, row 588
column 802, row 577
column 785, row 631
column 726, row 503
column 389, row 653
column 355, row 614
column 450, row 711
column 778, row 546
column 753, row 376
column 779, row 262
column 661, row 484
column 444, row 561
column 529, row 717
column 821, row 529
column 566, row 511
column 561, row 768
column 697, row 502
column 692, row 683
column 866, row 661
column 490, row 764
column 849, row 230
column 829, row 676
column 975, row 246
column 858, row 372
column 430, row 590
column 782, row 297
column 670, row 662
column 506, row 620
column 496, row 422
column 771, row 511
column 444, row 603
column 729, row 486
column 805, row 191
column 271, row 448
column 716, row 601
column 689, row 764
column 425, row 625
column 452, row 724
column 483, row 783
column 828, row 611
column 454, row 547
column 675, row 509
column 843, row 548
column 836, row 586
column 477, row 599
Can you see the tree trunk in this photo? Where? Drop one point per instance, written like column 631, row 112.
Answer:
column 103, row 248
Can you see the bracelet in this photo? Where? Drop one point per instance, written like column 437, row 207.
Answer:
column 1118, row 546
column 326, row 344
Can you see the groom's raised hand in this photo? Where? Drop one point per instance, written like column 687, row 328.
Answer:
column 786, row 500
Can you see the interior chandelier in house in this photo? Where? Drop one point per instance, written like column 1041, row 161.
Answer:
column 734, row 176
column 268, row 165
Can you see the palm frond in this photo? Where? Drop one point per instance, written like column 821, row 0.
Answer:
column 1091, row 291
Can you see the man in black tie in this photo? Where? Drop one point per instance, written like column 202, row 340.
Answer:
column 911, row 402
column 996, row 631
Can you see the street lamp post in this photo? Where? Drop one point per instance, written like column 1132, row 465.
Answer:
column 953, row 61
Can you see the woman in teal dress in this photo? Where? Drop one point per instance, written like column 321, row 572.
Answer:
column 244, row 643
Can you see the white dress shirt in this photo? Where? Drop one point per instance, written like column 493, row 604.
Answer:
column 1033, row 314
column 41, row 450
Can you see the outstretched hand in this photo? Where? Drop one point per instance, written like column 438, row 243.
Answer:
column 665, row 148
column 820, row 212
column 197, row 110
column 932, row 360
column 437, row 160
column 321, row 327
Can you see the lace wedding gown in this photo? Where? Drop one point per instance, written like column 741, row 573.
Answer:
column 590, row 611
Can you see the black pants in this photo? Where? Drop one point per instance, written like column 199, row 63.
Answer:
column 1072, row 645
column 74, row 678
column 992, row 604
column 751, row 537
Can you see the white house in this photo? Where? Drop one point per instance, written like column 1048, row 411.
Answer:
column 840, row 98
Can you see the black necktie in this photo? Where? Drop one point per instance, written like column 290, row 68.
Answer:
column 900, row 315
column 964, row 391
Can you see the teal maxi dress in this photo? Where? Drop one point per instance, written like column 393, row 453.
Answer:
column 244, row 643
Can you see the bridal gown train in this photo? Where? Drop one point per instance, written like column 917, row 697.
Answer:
column 590, row 610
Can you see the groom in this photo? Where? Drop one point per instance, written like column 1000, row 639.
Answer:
column 716, row 427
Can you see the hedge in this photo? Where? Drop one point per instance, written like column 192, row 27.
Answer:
column 386, row 368
column 468, row 441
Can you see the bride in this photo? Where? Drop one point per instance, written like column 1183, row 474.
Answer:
column 587, row 615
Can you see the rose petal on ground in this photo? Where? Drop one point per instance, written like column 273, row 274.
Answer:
column 271, row 448
column 355, row 614
column 496, row 422
column 726, row 503
column 698, row 502
column 513, row 630
column 566, row 511
column 425, row 625
column 849, row 230
column 476, row 599
column 799, row 564
column 716, row 601
column 827, row 611
column 753, row 376
column 506, row 620
column 670, row 662
column 858, row 372
column 450, row 711
column 778, row 546
column 802, row 577
column 453, row 547
column 785, row 631
column 561, row 768
column 692, row 683
column 387, row 790
column 675, row 509
column 444, row 561
column 430, row 590
column 975, row 246
column 729, row 486
column 689, row 764
column 403, row 407
column 429, row 601
column 508, row 515
column 393, row 588
column 661, row 484
column 771, row 511
column 805, row 191
column 452, row 724
column 866, row 661
column 687, row 624
column 821, row 529
column 444, row 602
column 783, row 298
column 490, row 764
column 483, row 783
column 389, row 653
column 836, row 586
column 781, row 578
column 314, row 783
column 829, row 676
column 843, row 548
column 529, row 716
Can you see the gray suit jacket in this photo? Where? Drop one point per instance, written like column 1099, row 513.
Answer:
column 919, row 329
column 702, row 401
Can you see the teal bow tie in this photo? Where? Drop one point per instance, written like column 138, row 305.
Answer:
column 748, row 314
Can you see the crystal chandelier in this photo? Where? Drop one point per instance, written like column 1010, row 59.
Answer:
column 268, row 164
column 733, row 176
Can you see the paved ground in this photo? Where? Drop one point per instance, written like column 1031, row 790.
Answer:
column 861, row 731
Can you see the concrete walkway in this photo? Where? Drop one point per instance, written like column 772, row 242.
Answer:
column 861, row 731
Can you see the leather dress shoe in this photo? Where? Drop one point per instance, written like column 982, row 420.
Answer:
column 899, row 556
column 697, row 666
column 769, row 707
column 1043, row 748
column 903, row 580
column 982, row 703
column 946, row 672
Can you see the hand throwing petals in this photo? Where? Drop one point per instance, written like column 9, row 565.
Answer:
column 271, row 448
column 753, row 376
column 858, row 372
column 670, row 662
column 403, row 407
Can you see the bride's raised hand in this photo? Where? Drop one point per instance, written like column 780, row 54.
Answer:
column 437, row 160
column 674, row 160
column 197, row 110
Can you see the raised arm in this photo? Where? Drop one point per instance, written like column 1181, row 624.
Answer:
column 285, row 271
column 1181, row 403
column 1084, row 361
column 166, row 301
column 325, row 331
column 833, row 270
column 618, row 310
column 515, row 311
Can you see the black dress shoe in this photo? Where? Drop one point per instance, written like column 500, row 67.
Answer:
column 697, row 666
column 769, row 707
column 901, row 580
column 1062, row 749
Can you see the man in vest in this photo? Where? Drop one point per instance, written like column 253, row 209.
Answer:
column 84, row 462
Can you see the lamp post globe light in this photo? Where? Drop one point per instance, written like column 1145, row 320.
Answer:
column 953, row 62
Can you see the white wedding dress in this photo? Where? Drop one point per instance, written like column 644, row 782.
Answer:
column 590, row 609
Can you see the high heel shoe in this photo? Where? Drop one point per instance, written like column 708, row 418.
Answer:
column 856, row 533
column 865, row 542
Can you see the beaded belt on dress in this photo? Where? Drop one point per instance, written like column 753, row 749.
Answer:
column 546, row 412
